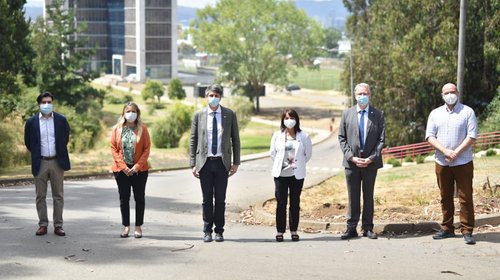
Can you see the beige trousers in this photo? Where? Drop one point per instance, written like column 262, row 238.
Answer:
column 50, row 170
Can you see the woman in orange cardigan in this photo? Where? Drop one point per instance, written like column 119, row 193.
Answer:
column 130, row 145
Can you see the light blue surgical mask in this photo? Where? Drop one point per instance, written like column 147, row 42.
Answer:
column 46, row 108
column 362, row 99
column 213, row 101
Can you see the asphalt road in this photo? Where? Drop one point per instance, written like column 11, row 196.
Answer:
column 172, row 246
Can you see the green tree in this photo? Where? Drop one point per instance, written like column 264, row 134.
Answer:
column 407, row 50
column 152, row 89
column 61, row 64
column 175, row 89
column 257, row 41
column 168, row 131
column 15, row 54
column 332, row 36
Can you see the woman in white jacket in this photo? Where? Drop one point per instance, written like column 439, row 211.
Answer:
column 290, row 149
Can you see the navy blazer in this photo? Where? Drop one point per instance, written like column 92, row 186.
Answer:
column 375, row 137
column 32, row 141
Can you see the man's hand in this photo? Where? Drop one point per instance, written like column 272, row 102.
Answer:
column 361, row 162
column 450, row 155
column 195, row 173
column 233, row 169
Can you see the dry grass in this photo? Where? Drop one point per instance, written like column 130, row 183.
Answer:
column 406, row 194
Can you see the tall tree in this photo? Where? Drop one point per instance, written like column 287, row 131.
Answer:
column 60, row 62
column 257, row 41
column 408, row 49
column 15, row 53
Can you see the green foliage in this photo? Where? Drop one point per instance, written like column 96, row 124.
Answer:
column 332, row 36
column 408, row 159
column 420, row 159
column 491, row 120
column 394, row 161
column 85, row 128
column 12, row 150
column 175, row 90
column 122, row 99
column 260, row 42
column 15, row 54
column 242, row 107
column 184, row 142
column 407, row 50
column 152, row 89
column 168, row 131
column 491, row 152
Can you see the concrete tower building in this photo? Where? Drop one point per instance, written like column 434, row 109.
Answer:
column 130, row 36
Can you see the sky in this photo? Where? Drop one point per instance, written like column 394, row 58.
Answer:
column 185, row 3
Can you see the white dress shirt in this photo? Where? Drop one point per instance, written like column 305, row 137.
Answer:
column 367, row 109
column 47, row 135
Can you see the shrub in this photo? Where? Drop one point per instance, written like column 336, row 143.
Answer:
column 85, row 128
column 408, row 159
column 243, row 108
column 152, row 89
column 123, row 99
column 395, row 162
column 12, row 150
column 491, row 121
column 168, row 131
column 175, row 90
column 420, row 159
column 491, row 152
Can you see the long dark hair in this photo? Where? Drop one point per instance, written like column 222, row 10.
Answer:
column 292, row 113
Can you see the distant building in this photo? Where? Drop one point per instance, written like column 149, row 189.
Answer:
column 130, row 36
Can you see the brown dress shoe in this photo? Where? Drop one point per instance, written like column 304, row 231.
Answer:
column 59, row 231
column 41, row 231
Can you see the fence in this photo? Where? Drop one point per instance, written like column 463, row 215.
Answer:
column 487, row 139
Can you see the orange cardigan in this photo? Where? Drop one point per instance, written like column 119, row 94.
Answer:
column 141, row 153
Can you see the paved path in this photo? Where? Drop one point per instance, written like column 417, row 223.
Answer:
column 172, row 248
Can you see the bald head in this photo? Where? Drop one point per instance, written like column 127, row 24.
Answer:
column 449, row 87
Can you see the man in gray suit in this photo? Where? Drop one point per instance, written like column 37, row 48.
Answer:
column 361, row 137
column 214, row 137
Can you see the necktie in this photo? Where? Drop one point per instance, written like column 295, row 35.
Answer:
column 362, row 130
column 214, row 134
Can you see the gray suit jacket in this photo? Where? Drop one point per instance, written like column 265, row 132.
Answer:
column 198, row 144
column 375, row 138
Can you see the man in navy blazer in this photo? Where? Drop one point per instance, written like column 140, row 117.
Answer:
column 361, row 137
column 46, row 135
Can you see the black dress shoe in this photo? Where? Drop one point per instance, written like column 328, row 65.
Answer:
column 469, row 240
column 207, row 237
column 442, row 234
column 370, row 234
column 348, row 234
column 219, row 237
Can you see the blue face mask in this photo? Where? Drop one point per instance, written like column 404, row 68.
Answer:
column 362, row 99
column 213, row 101
column 46, row 108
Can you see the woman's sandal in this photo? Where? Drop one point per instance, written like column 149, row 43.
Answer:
column 279, row 238
column 124, row 233
column 295, row 237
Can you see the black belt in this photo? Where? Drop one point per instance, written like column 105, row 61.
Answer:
column 49, row 158
column 214, row 158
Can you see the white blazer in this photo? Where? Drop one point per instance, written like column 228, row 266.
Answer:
column 302, row 153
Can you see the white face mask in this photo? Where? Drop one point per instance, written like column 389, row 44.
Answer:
column 131, row 116
column 450, row 98
column 290, row 123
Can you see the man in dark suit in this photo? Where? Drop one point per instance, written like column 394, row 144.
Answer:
column 214, row 137
column 46, row 136
column 361, row 137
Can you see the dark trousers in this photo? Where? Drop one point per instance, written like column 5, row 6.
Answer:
column 213, row 180
column 360, row 179
column 446, row 178
column 138, row 184
column 282, row 185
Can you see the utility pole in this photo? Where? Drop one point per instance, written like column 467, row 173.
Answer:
column 461, row 49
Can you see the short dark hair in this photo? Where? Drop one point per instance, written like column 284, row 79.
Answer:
column 215, row 88
column 292, row 113
column 43, row 95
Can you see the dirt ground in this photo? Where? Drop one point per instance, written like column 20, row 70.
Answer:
column 402, row 194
